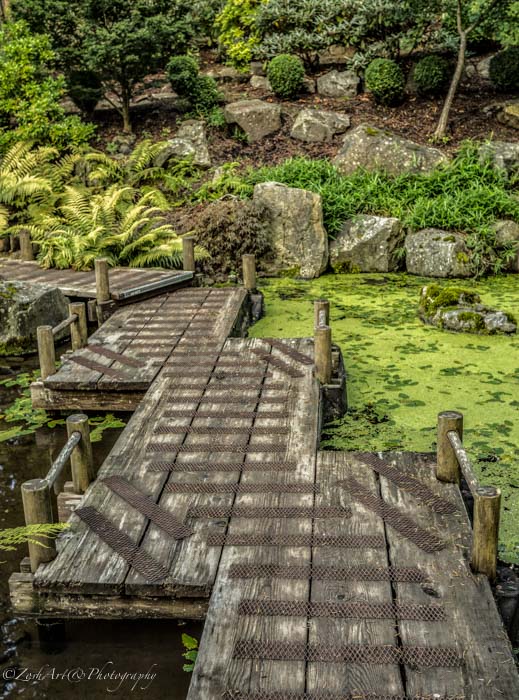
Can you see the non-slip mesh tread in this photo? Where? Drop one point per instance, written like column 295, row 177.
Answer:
column 223, row 467
column 98, row 367
column 328, row 573
column 223, row 414
column 268, row 512
column 394, row 517
column 354, row 610
column 216, row 539
column 408, row 483
column 144, row 504
column 119, row 541
column 264, row 487
column 354, row 695
column 241, row 447
column 289, row 351
column 228, row 399
column 107, row 352
column 278, row 363
column 421, row 657
column 212, row 430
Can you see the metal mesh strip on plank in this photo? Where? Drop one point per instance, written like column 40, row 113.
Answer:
column 263, row 487
column 350, row 610
column 204, row 353
column 145, row 505
column 119, row 541
column 421, row 657
column 408, row 483
column 242, row 448
column 289, row 351
column 394, row 517
column 223, row 414
column 123, row 359
column 98, row 367
column 323, row 695
column 213, row 430
column 269, row 512
column 328, row 573
column 230, row 398
column 217, row 539
column 278, row 363
column 220, row 373
column 224, row 467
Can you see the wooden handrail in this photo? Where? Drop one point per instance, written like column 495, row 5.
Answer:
column 64, row 324
column 62, row 459
column 78, row 324
column 452, row 461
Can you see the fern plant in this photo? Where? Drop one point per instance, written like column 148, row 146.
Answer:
column 119, row 223
column 14, row 536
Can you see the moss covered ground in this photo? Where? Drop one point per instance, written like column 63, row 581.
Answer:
column 401, row 373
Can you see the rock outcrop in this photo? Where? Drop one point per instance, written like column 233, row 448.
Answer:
column 338, row 84
column 503, row 155
column 318, row 126
column 436, row 253
column 371, row 148
column 367, row 244
column 189, row 143
column 256, row 117
column 295, row 220
column 24, row 307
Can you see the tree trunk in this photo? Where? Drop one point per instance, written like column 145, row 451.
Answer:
column 125, row 99
column 5, row 9
column 441, row 129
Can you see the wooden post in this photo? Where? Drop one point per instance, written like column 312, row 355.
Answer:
column 46, row 351
column 81, row 459
column 447, row 467
column 26, row 246
column 322, row 313
column 487, row 508
column 102, row 280
column 78, row 328
column 37, row 509
column 323, row 353
column 188, row 253
column 249, row 272
column 92, row 310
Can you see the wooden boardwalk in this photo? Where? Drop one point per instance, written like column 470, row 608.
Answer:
column 126, row 284
column 125, row 355
column 355, row 621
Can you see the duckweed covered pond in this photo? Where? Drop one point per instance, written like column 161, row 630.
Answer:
column 401, row 373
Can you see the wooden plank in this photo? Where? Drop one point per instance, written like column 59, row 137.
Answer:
column 474, row 625
column 53, row 400
column 216, row 670
column 333, row 467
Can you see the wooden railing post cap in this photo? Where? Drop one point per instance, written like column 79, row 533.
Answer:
column 451, row 415
column 34, row 485
column 488, row 491
column 77, row 418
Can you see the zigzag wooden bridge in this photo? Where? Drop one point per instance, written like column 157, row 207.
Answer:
column 321, row 575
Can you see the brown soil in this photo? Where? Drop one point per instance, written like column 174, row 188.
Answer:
column 472, row 117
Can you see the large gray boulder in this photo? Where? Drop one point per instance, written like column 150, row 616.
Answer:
column 256, row 117
column 24, row 307
column 509, row 115
column 295, row 219
column 507, row 236
column 338, row 84
column 371, row 148
column 367, row 244
column 189, row 143
column 503, row 155
column 436, row 253
column 318, row 126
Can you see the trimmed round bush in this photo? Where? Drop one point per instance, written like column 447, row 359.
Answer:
column 286, row 75
column 182, row 72
column 385, row 80
column 431, row 75
column 504, row 69
column 205, row 94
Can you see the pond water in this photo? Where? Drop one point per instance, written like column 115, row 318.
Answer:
column 401, row 373
column 111, row 647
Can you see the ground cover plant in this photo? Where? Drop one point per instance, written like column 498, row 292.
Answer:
column 401, row 373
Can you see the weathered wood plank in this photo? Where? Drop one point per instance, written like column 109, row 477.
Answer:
column 474, row 625
column 216, row 670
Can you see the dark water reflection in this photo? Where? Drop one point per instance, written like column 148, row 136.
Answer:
column 98, row 649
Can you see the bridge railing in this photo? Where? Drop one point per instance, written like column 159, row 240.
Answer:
column 36, row 493
column 453, row 461
column 77, row 322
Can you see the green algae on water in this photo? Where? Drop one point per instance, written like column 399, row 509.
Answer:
column 401, row 374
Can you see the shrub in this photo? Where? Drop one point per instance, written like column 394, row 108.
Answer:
column 85, row 90
column 504, row 69
column 385, row 80
column 182, row 72
column 431, row 75
column 237, row 30
column 228, row 229
column 205, row 95
column 286, row 75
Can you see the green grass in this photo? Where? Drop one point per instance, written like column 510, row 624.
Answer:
column 466, row 196
column 401, row 373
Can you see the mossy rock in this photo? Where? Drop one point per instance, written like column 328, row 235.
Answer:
column 435, row 297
